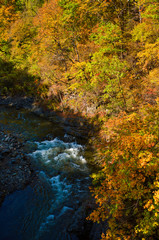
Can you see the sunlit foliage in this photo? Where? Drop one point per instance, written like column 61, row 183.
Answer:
column 99, row 59
column 127, row 188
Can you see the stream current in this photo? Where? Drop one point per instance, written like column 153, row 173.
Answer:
column 44, row 210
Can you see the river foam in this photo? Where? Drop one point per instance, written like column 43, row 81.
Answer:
column 60, row 155
column 62, row 164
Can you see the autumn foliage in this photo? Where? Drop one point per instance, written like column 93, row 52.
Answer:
column 127, row 186
column 99, row 59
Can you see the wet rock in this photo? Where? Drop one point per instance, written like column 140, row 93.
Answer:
column 14, row 154
column 1, row 157
column 15, row 167
column 7, row 139
column 13, row 161
column 5, row 152
column 18, row 102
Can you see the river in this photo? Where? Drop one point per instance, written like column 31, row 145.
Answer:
column 51, row 207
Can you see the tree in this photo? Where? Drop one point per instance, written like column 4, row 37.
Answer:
column 127, row 188
column 147, row 32
column 8, row 14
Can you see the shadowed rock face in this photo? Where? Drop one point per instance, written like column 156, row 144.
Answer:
column 18, row 102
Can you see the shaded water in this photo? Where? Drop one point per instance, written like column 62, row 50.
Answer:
column 27, row 124
column 45, row 209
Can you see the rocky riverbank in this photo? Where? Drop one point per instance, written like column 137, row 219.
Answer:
column 16, row 170
column 15, row 166
column 76, row 126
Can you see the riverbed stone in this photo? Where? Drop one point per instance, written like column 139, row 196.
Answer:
column 15, row 168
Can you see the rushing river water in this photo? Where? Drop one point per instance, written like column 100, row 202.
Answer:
column 44, row 210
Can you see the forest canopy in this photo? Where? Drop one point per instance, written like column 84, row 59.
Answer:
column 99, row 59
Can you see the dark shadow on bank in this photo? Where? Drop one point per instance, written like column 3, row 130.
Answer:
column 15, row 81
column 20, row 89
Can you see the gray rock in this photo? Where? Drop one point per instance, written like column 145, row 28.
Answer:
column 5, row 151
